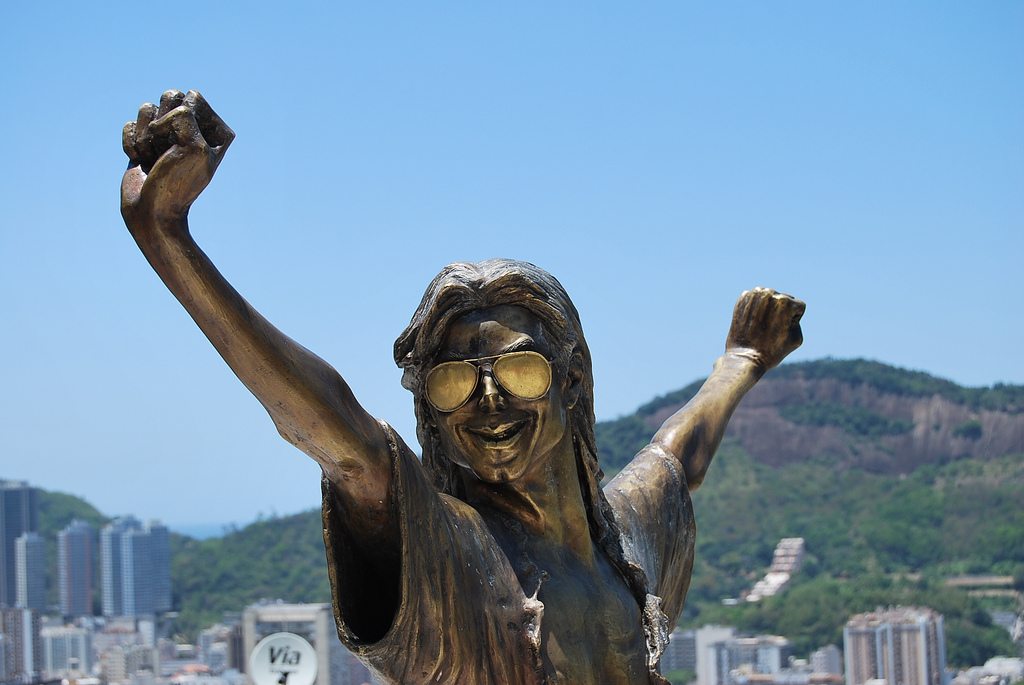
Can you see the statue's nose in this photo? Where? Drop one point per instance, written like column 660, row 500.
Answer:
column 491, row 399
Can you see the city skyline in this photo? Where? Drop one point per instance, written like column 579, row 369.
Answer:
column 904, row 643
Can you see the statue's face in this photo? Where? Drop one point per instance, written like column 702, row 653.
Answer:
column 496, row 435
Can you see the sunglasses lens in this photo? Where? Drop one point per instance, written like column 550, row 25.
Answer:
column 449, row 385
column 524, row 374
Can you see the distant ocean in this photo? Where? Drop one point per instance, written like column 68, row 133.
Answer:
column 200, row 531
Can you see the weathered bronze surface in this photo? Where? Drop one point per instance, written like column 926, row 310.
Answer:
column 498, row 558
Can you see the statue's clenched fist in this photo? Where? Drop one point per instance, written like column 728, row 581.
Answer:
column 173, row 152
column 765, row 326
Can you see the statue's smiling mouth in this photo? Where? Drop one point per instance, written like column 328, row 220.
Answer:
column 501, row 434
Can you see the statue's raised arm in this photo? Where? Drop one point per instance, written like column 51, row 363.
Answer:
column 765, row 329
column 174, row 150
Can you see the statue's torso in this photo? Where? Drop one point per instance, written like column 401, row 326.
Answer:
column 477, row 607
column 591, row 630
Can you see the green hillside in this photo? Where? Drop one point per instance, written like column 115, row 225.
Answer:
column 862, row 531
column 278, row 558
column 962, row 517
column 58, row 509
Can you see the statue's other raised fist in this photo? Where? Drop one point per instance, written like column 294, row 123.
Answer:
column 173, row 152
column 765, row 326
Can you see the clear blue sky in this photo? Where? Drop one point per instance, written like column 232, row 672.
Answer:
column 659, row 158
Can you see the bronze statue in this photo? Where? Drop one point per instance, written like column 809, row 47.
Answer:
column 498, row 558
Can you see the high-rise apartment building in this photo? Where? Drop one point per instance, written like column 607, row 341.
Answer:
column 110, row 564
column 30, row 572
column 23, row 654
column 75, row 568
column 137, row 586
column 902, row 645
column 19, row 513
column 160, row 565
column 136, row 568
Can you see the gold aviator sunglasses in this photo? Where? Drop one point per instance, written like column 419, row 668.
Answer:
column 526, row 375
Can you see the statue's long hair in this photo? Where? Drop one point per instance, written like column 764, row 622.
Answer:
column 463, row 287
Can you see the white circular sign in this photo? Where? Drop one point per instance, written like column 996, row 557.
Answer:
column 283, row 659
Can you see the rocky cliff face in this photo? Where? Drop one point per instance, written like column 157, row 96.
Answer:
column 797, row 415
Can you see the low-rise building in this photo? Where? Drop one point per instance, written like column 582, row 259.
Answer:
column 998, row 670
column 67, row 651
column 738, row 656
column 786, row 562
column 313, row 622
column 705, row 638
column 119, row 664
column 828, row 659
column 215, row 646
column 681, row 652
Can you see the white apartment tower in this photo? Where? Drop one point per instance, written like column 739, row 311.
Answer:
column 902, row 645
column 75, row 568
column 110, row 564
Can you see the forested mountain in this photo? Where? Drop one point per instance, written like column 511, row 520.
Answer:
column 853, row 413
column 896, row 479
